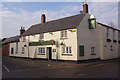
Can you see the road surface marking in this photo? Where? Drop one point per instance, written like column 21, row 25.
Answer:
column 6, row 68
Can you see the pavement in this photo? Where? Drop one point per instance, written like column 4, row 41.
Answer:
column 28, row 68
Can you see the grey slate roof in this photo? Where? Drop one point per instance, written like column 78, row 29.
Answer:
column 11, row 40
column 55, row 25
column 104, row 25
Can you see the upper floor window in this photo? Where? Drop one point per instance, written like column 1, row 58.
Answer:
column 107, row 32
column 113, row 34
column 63, row 34
column 119, row 35
column 41, row 36
column 24, row 39
column 23, row 50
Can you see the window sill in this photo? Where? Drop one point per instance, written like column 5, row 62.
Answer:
column 64, row 38
column 67, row 54
column 40, row 54
column 41, row 40
column 22, row 52
column 93, row 54
column 16, row 52
column 81, row 55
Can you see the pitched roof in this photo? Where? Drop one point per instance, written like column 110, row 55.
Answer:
column 104, row 25
column 11, row 40
column 55, row 25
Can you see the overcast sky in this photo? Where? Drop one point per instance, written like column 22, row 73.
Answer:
column 17, row 14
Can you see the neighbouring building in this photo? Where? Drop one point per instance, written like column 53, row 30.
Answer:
column 6, row 45
column 78, row 37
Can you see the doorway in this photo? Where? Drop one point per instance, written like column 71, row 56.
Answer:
column 49, row 53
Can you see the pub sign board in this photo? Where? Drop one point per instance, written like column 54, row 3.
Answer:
column 92, row 23
column 50, row 42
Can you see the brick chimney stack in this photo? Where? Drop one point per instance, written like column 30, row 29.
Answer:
column 85, row 8
column 43, row 19
column 22, row 30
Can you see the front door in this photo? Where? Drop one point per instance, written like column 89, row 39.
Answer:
column 49, row 53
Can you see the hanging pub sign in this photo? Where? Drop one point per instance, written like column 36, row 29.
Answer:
column 92, row 22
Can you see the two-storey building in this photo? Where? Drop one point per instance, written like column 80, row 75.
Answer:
column 78, row 37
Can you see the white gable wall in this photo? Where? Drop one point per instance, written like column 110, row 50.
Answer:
column 87, row 38
column 107, row 53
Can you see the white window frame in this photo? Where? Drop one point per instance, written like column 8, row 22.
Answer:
column 17, row 47
column 41, row 50
column 92, row 50
column 23, row 50
column 66, row 50
column 41, row 37
column 64, row 34
column 24, row 39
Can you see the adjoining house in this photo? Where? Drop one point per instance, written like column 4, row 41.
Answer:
column 78, row 37
column 6, row 45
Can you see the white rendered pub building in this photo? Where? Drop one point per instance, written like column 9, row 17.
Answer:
column 78, row 37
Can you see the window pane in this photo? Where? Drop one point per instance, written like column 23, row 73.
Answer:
column 23, row 50
column 43, row 50
column 63, row 50
column 107, row 33
column 70, row 51
column 81, row 50
column 40, row 50
column 16, row 47
column 41, row 36
column 63, row 34
column 24, row 38
column 66, row 49
column 92, row 50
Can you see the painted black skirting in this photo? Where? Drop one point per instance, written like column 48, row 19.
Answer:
column 59, row 60
column 60, row 78
column 73, row 61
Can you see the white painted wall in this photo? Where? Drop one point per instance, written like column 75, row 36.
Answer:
column 107, row 53
column 89, row 38
column 32, row 51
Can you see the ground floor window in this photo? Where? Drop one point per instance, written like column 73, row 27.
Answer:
column 92, row 50
column 12, row 50
column 66, row 50
column 81, row 50
column 41, row 50
column 23, row 50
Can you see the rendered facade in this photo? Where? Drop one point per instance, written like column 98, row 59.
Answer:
column 78, row 37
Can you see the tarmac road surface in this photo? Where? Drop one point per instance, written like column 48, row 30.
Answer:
column 28, row 68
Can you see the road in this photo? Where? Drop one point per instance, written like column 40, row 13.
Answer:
column 28, row 68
